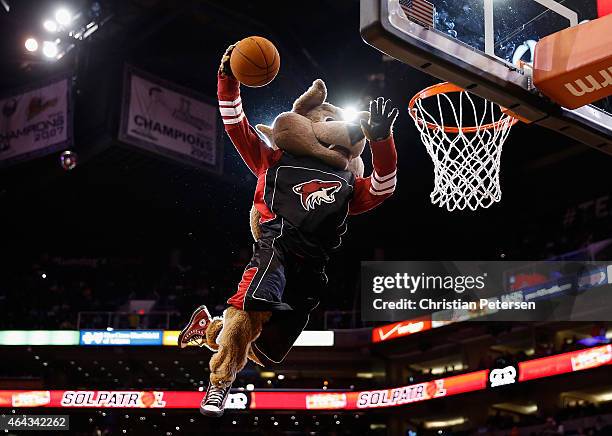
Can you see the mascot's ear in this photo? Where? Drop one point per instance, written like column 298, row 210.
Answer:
column 313, row 97
column 266, row 131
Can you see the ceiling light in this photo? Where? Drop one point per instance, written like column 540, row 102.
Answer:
column 63, row 16
column 31, row 44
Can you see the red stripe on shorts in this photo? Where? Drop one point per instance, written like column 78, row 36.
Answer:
column 237, row 300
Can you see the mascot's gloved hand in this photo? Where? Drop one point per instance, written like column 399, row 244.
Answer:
column 382, row 117
column 224, row 68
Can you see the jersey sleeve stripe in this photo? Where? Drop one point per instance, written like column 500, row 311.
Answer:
column 235, row 120
column 378, row 186
column 231, row 111
column 380, row 179
column 388, row 191
column 230, row 103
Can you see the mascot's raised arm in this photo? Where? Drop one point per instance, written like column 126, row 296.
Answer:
column 309, row 179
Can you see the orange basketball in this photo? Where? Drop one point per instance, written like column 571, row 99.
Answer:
column 255, row 61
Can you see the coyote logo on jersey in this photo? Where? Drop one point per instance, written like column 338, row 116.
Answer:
column 315, row 192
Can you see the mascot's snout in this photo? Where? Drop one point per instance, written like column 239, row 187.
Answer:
column 355, row 133
column 340, row 136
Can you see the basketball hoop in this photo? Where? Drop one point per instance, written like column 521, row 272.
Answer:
column 466, row 159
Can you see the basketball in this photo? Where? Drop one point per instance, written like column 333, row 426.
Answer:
column 255, row 61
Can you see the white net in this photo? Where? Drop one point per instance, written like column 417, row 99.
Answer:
column 466, row 159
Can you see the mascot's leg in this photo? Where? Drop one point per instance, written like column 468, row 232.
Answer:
column 211, row 340
column 212, row 332
column 240, row 329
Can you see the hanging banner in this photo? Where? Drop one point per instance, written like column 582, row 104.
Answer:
column 169, row 120
column 35, row 121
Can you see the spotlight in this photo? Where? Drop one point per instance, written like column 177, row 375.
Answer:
column 50, row 49
column 31, row 44
column 250, row 387
column 68, row 160
column 50, row 26
column 349, row 113
column 63, row 16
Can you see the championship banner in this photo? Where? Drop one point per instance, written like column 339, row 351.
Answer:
column 169, row 120
column 36, row 121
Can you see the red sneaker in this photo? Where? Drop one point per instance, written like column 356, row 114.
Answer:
column 195, row 331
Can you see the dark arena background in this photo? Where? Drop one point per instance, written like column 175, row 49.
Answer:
column 108, row 244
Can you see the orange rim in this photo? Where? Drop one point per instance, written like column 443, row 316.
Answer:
column 446, row 88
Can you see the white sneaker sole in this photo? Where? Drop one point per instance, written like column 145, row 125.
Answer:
column 209, row 410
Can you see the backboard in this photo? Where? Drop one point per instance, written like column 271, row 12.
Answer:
column 482, row 46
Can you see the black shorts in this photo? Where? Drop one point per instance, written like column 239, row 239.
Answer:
column 285, row 284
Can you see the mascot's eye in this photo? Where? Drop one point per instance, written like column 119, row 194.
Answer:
column 329, row 119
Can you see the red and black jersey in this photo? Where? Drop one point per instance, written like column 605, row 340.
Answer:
column 302, row 201
column 306, row 204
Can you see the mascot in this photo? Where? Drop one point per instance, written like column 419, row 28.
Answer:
column 309, row 179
